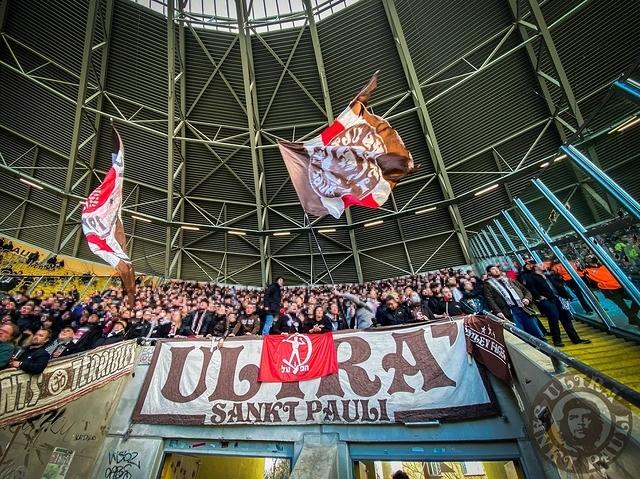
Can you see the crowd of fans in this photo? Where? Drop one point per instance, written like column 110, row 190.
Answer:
column 39, row 327
column 32, row 258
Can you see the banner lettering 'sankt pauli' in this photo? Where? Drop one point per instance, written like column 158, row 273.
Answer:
column 385, row 376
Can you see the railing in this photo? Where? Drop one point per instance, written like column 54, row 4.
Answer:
column 558, row 359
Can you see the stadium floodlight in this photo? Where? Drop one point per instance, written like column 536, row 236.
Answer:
column 34, row 185
column 486, row 190
column 373, row 223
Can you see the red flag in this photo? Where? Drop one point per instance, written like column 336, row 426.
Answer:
column 357, row 160
column 297, row 357
column 485, row 342
column 101, row 215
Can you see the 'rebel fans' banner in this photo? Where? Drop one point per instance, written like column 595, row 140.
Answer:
column 357, row 160
column 101, row 216
column 297, row 357
column 412, row 374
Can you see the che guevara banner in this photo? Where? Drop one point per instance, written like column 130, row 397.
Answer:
column 413, row 374
column 101, row 215
column 297, row 357
column 357, row 160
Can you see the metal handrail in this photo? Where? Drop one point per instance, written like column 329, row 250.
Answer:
column 622, row 390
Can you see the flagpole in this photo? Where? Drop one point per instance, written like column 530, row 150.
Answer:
column 324, row 261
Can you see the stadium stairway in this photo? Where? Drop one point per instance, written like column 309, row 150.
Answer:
column 614, row 356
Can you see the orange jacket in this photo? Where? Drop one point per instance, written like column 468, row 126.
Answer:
column 559, row 269
column 602, row 277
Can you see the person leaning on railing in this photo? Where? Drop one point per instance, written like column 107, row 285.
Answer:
column 9, row 332
column 34, row 358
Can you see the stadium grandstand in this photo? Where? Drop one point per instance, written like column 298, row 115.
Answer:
column 332, row 239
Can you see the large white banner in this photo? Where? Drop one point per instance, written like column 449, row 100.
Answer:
column 411, row 374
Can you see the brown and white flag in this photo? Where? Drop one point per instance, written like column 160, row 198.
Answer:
column 357, row 160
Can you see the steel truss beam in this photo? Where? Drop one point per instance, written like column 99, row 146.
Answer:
column 79, row 115
column 427, row 126
column 23, row 211
column 328, row 109
column 546, row 82
column 97, row 122
column 253, row 122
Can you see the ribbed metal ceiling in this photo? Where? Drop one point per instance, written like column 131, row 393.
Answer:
column 479, row 82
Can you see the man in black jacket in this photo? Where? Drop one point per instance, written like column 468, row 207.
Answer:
column 272, row 300
column 197, row 322
column 547, row 296
column 320, row 323
column 114, row 336
column 289, row 323
column 87, row 334
column 34, row 359
column 508, row 299
column 394, row 313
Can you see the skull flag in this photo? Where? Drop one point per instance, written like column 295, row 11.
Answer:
column 357, row 160
column 297, row 357
column 101, row 215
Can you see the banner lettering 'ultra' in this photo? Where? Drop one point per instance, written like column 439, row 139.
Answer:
column 24, row 395
column 384, row 376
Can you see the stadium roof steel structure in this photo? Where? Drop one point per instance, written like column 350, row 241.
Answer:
column 483, row 93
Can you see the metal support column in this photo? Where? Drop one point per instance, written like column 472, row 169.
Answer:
column 510, row 244
column 427, row 127
column 97, row 122
column 182, row 82
column 484, row 251
column 315, row 40
column 253, row 122
column 27, row 197
column 485, row 246
column 521, row 237
column 630, row 87
column 587, row 293
column 77, row 124
column 4, row 6
column 544, row 78
column 598, row 250
column 474, row 248
column 171, row 107
column 625, row 199
column 492, row 248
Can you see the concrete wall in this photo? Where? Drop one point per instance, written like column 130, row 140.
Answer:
column 79, row 426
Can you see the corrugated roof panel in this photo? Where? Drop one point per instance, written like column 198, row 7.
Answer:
column 290, row 104
column 424, row 22
column 598, row 44
column 466, row 121
column 217, row 103
column 35, row 112
column 350, row 59
column 394, row 257
column 56, row 32
column 433, row 253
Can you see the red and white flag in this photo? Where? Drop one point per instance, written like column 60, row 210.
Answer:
column 101, row 215
column 297, row 357
column 357, row 160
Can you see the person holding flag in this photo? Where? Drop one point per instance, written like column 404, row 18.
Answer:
column 102, row 220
